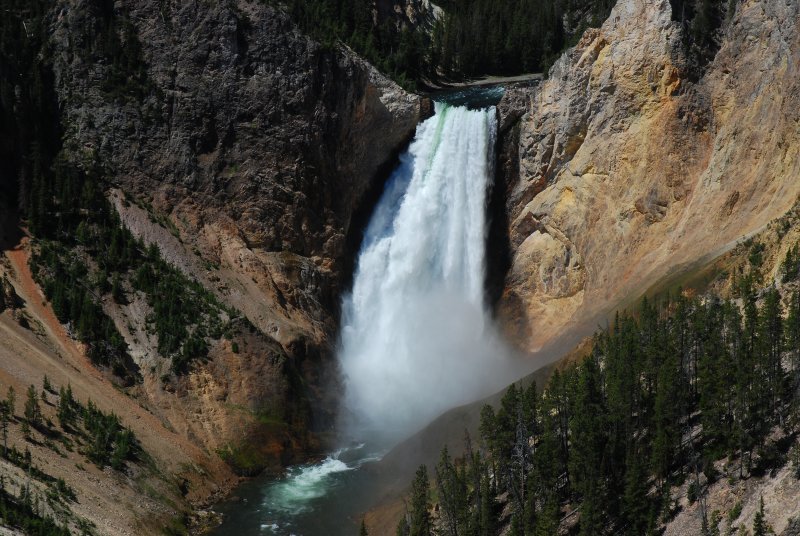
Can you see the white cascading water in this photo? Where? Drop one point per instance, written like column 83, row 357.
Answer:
column 416, row 337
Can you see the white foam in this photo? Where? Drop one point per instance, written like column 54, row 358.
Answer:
column 304, row 484
column 416, row 337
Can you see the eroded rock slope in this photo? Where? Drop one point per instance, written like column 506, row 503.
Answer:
column 242, row 149
column 628, row 171
column 254, row 142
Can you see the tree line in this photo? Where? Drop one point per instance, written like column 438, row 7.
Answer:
column 508, row 37
column 488, row 37
column 472, row 38
column 664, row 394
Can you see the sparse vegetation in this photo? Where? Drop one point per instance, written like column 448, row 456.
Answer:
column 45, row 508
column 91, row 254
column 25, row 513
column 83, row 252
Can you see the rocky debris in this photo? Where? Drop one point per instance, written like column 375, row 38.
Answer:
column 627, row 170
column 793, row 528
column 727, row 494
column 8, row 297
column 408, row 14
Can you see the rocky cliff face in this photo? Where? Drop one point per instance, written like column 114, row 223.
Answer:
column 627, row 171
column 408, row 14
column 241, row 148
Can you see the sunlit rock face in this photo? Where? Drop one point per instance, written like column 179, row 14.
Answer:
column 627, row 170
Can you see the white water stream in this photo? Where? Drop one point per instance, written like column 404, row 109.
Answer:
column 416, row 337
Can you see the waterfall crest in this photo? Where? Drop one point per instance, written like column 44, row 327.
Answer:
column 416, row 338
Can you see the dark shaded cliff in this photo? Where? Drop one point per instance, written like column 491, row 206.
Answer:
column 241, row 149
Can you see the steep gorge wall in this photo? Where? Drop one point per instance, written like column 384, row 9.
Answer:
column 626, row 171
column 241, row 148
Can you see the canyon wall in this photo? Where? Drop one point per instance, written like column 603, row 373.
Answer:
column 244, row 150
column 255, row 145
column 625, row 171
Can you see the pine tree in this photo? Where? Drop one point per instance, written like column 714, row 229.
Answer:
column 363, row 530
column 121, row 450
column 588, row 426
column 771, row 337
column 46, row 384
column 11, row 400
column 713, row 524
column 452, row 492
column 666, row 417
column 793, row 340
column 488, row 517
column 791, row 264
column 759, row 522
column 547, row 521
column 5, row 417
column 25, row 429
column 33, row 412
column 420, row 523
column 66, row 408
column 518, row 467
column 505, row 426
column 117, row 294
column 635, row 504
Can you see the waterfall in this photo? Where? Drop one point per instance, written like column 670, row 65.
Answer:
column 416, row 338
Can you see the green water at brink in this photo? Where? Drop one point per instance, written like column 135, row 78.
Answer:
column 472, row 97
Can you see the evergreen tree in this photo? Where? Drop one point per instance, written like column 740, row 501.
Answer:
column 420, row 522
column 5, row 417
column 588, row 427
column 793, row 340
column 790, row 267
column 117, row 294
column 25, row 429
column 759, row 522
column 452, row 492
column 635, row 503
column 122, row 448
column 33, row 412
column 46, row 384
column 66, row 408
column 11, row 400
column 772, row 344
column 667, row 416
column 488, row 508
column 689, row 381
